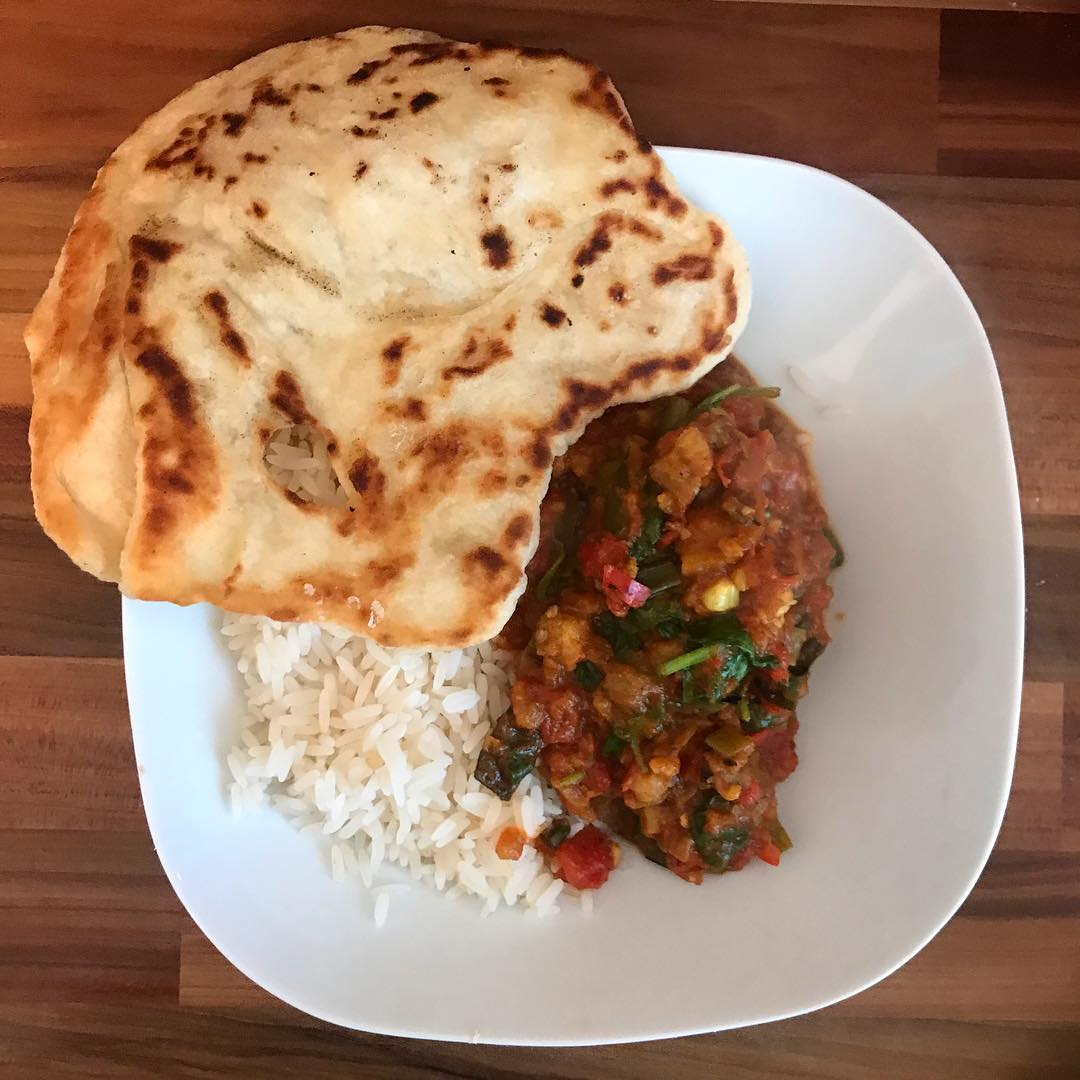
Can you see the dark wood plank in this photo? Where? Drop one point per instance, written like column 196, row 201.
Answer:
column 1070, row 768
column 48, row 606
column 770, row 79
column 1029, row 884
column 1033, row 818
column 1052, row 548
column 66, row 760
column 1010, row 94
column 127, row 1042
column 85, row 921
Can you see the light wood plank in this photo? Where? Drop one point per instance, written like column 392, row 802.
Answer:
column 14, row 366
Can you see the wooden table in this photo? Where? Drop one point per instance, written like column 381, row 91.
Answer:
column 966, row 120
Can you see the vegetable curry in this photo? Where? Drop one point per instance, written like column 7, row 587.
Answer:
column 675, row 603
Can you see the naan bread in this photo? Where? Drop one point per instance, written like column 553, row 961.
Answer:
column 446, row 258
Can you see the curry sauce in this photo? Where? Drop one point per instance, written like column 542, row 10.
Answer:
column 676, row 601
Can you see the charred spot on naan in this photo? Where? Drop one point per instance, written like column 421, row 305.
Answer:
column 684, row 268
column 184, row 150
column 497, row 247
column 269, row 256
column 657, row 194
column 188, row 148
column 613, row 187
column 424, row 100
column 178, row 457
column 288, row 399
column 145, row 251
column 384, row 572
column 492, row 482
column 582, row 400
column 367, row 478
column 265, row 93
column 234, row 123
column 598, row 243
column 392, row 354
column 431, row 52
column 153, row 248
column 600, row 95
column 231, row 338
column 412, row 409
column 439, row 456
column 475, row 359
column 365, row 71
column 551, row 315
column 517, row 530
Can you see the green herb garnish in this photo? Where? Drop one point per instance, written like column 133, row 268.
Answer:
column 754, row 718
column 588, row 674
column 556, row 832
column 660, row 576
column 613, row 745
column 652, row 523
column 726, row 629
column 673, row 413
column 839, row 558
column 545, row 588
column 780, row 837
column 571, row 778
column 810, row 651
column 720, row 396
column 717, row 849
column 565, row 532
column 612, row 480
column 712, row 637
column 689, row 659
column 620, row 634
column 664, row 614
column 508, row 761
column 644, row 725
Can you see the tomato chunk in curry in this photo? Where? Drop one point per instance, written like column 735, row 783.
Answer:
column 675, row 603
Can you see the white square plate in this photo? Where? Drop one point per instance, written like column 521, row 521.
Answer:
column 906, row 741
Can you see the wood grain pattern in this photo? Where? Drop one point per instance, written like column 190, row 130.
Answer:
column 1010, row 94
column 964, row 119
column 756, row 100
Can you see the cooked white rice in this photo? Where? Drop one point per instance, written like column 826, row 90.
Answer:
column 373, row 749
column 296, row 458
